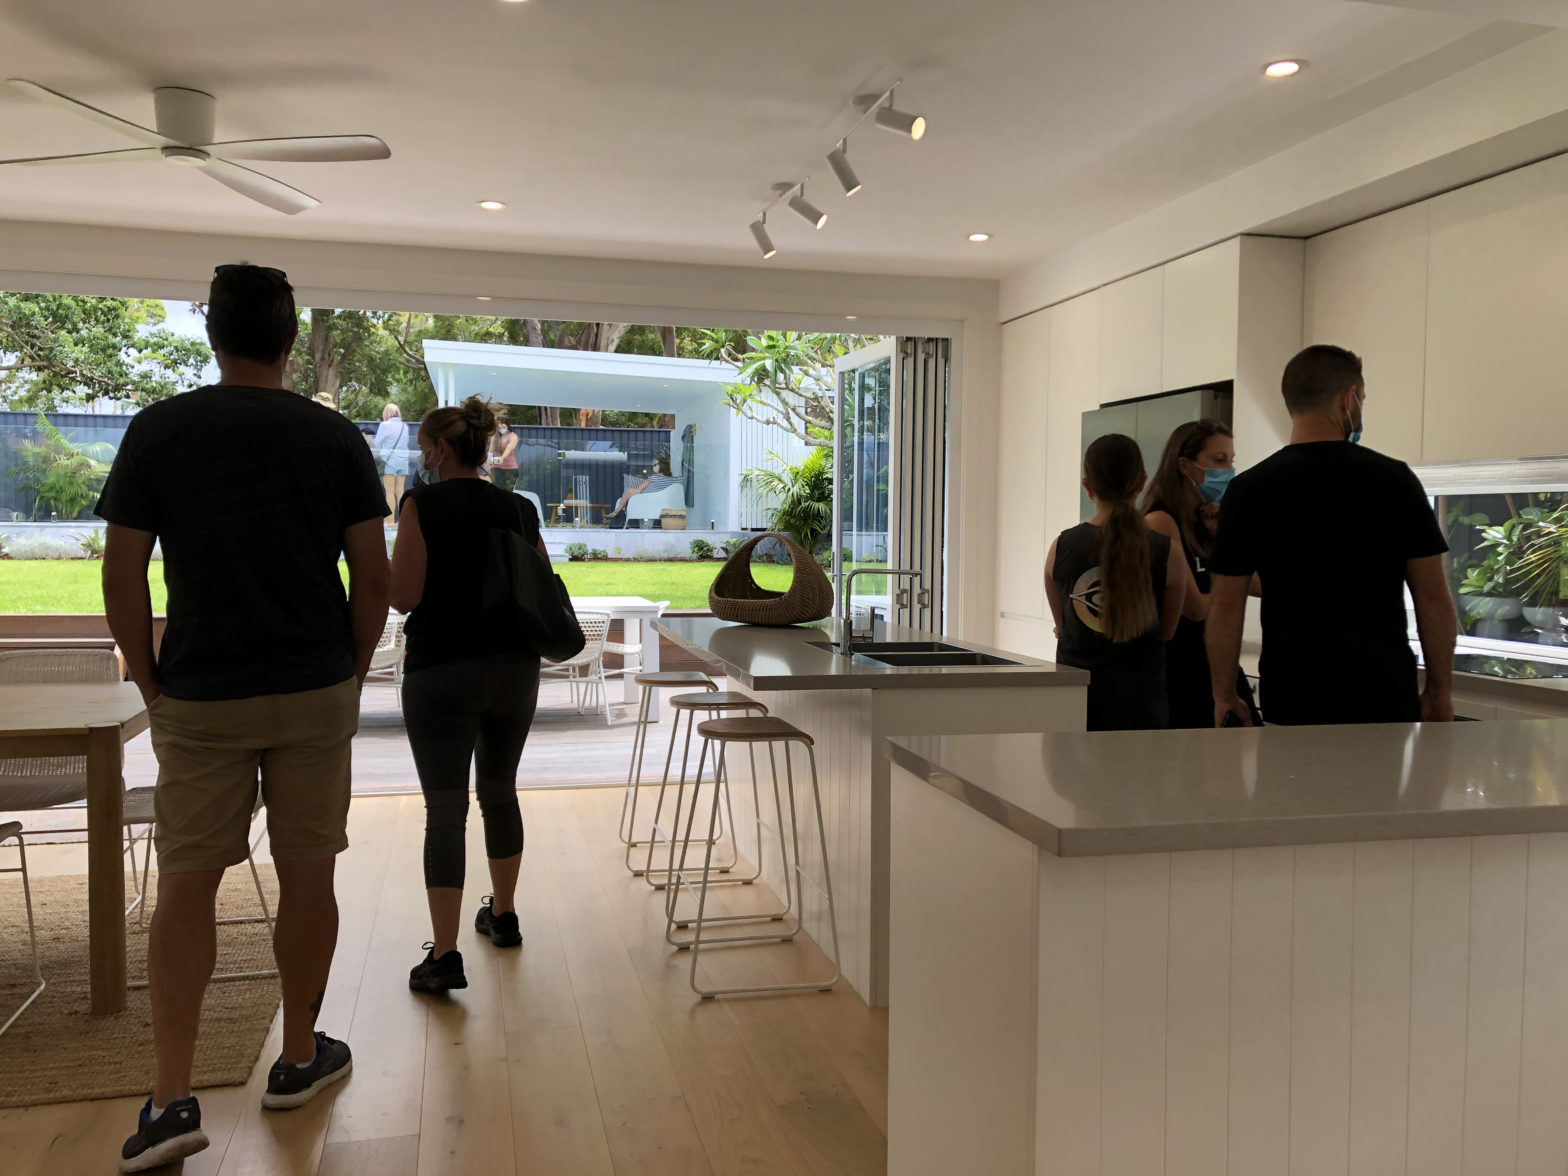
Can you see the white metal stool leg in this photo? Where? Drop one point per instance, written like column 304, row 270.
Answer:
column 785, row 735
column 627, row 825
column 7, row 831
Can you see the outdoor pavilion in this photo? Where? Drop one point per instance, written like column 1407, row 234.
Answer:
column 724, row 443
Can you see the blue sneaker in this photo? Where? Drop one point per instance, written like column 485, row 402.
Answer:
column 170, row 1137
column 290, row 1086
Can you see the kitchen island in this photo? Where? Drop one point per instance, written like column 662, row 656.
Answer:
column 1326, row 950
column 849, row 705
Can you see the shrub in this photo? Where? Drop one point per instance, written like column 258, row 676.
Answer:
column 60, row 473
column 92, row 544
column 731, row 546
column 617, row 552
column 576, row 551
column 701, row 549
column 4, row 541
column 598, row 553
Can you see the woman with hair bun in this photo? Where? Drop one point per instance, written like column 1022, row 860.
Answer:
column 1116, row 589
column 471, row 679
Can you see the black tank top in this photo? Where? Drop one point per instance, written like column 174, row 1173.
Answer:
column 1126, row 679
column 450, row 623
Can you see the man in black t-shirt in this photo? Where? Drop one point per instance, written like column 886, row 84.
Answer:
column 1335, row 533
column 258, row 675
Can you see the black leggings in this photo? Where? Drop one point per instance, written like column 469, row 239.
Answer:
column 478, row 710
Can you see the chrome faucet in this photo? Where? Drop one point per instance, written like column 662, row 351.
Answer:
column 846, row 637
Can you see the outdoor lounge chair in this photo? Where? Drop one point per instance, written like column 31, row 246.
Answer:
column 649, row 503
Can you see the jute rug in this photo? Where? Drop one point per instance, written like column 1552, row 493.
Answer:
column 58, row 1052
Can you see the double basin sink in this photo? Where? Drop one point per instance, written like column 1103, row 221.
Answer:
column 920, row 654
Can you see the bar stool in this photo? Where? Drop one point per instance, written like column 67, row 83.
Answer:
column 773, row 732
column 650, row 682
column 711, row 704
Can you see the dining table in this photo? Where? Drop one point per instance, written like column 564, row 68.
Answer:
column 94, row 720
column 636, row 615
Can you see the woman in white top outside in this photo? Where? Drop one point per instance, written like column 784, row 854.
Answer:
column 391, row 446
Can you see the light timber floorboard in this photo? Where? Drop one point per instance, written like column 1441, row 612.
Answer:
column 584, row 1052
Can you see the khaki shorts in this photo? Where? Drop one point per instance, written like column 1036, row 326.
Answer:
column 210, row 755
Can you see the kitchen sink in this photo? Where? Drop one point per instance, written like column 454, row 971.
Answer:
column 949, row 657
column 879, row 647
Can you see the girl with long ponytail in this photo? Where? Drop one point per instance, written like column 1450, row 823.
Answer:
column 1116, row 590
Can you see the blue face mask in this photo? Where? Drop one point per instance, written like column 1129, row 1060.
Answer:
column 1214, row 484
column 1355, row 437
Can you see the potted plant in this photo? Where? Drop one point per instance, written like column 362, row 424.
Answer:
column 1521, row 573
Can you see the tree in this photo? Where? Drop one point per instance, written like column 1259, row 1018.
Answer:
column 786, row 377
column 803, row 494
column 62, row 349
column 63, row 473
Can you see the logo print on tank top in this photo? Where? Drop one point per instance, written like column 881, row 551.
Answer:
column 1086, row 599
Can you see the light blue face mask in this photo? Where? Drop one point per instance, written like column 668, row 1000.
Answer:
column 1215, row 483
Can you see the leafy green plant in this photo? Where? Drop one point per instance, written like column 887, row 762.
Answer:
column 1525, row 558
column 802, row 494
column 5, row 541
column 701, row 549
column 576, row 551
column 598, row 553
column 731, row 546
column 62, row 473
column 92, row 544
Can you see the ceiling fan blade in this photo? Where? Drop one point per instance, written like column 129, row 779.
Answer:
column 304, row 149
column 102, row 117
column 262, row 189
column 129, row 155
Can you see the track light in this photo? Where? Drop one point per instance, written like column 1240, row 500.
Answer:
column 838, row 160
column 806, row 210
column 759, row 234
column 901, row 122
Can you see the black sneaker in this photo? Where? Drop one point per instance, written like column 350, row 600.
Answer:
column 502, row 929
column 174, row 1135
column 290, row 1086
column 438, row 975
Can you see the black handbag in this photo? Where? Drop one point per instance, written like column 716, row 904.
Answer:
column 517, row 575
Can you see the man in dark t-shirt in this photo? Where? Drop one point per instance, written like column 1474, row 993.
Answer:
column 1335, row 533
column 257, row 678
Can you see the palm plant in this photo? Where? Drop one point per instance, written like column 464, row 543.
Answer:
column 803, row 494
column 63, row 473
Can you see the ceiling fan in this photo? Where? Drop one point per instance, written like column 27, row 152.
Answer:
column 186, row 121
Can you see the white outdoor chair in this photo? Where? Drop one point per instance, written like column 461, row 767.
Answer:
column 7, row 831
column 649, row 503
column 533, row 498
column 586, row 670
column 628, row 651
column 36, row 783
column 386, row 662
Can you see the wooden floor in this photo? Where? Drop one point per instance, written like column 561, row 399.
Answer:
column 584, row 1052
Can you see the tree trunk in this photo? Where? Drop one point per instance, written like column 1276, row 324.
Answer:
column 327, row 357
column 590, row 418
column 667, row 341
column 549, row 416
column 535, row 331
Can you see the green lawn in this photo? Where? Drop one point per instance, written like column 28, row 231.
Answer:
column 71, row 585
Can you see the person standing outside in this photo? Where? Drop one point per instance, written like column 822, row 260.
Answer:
column 471, row 681
column 1335, row 532
column 503, row 455
column 391, row 446
column 258, row 676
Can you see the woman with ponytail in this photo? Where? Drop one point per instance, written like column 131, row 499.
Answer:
column 1116, row 590
column 471, row 679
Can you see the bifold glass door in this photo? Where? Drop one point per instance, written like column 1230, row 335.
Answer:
column 890, row 464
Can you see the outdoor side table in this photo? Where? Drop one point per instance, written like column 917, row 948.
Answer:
column 92, row 719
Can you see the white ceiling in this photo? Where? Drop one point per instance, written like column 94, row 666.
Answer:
column 619, row 128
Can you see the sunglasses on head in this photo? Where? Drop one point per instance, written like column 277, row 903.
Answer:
column 219, row 271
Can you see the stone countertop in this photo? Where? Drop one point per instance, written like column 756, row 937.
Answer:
column 1096, row 793
column 761, row 658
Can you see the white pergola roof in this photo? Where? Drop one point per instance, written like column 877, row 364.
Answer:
column 572, row 379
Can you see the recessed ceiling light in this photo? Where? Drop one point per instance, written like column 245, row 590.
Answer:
column 1282, row 69
column 979, row 238
column 851, row 317
column 482, row 297
column 491, row 205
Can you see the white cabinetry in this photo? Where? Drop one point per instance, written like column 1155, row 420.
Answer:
column 1497, row 318
column 1022, row 433
column 1200, row 323
column 1131, row 313
column 1366, row 289
column 1075, row 390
